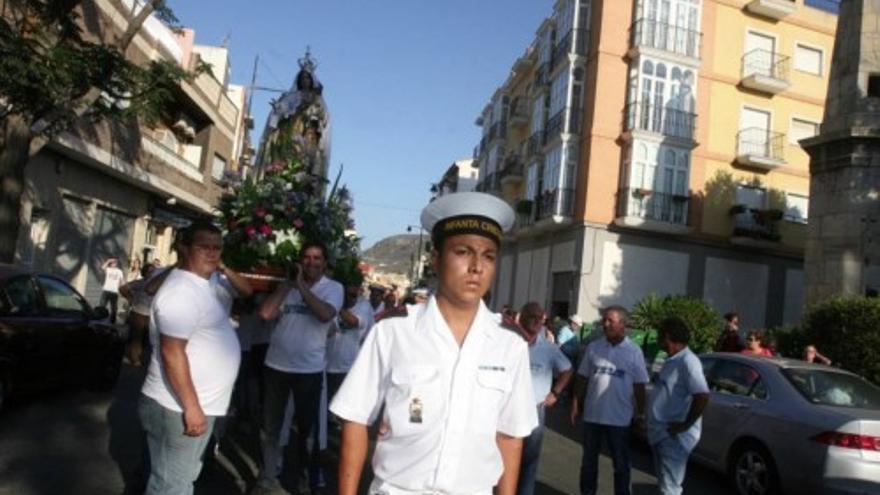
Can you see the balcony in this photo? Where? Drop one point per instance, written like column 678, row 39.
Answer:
column 563, row 47
column 535, row 143
column 542, row 75
column 755, row 227
column 765, row 71
column 556, row 124
column 498, row 130
column 774, row 9
column 556, row 204
column 663, row 121
column 512, row 171
column 650, row 36
column 760, row 148
column 489, row 184
column 519, row 114
column 186, row 161
column 652, row 210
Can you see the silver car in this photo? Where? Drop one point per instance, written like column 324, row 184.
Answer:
column 782, row 425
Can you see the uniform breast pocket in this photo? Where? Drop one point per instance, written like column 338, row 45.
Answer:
column 415, row 400
column 493, row 388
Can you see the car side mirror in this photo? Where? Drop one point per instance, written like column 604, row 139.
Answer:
column 100, row 313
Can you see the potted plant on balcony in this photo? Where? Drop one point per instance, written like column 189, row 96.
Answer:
column 738, row 209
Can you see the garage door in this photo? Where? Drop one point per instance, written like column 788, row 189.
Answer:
column 112, row 237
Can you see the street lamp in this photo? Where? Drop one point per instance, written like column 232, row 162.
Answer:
column 409, row 228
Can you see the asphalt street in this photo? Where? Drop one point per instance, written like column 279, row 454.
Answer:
column 76, row 441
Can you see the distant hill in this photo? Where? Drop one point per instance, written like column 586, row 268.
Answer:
column 393, row 254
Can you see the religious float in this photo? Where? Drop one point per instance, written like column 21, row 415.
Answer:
column 267, row 218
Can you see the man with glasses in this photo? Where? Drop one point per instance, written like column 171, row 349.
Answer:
column 191, row 375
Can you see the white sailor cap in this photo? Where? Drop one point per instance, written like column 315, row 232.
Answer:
column 467, row 213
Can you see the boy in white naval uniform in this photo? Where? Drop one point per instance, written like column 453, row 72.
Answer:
column 455, row 384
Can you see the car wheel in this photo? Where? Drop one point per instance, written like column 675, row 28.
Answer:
column 752, row 470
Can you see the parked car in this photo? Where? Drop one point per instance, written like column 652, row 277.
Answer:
column 50, row 336
column 779, row 425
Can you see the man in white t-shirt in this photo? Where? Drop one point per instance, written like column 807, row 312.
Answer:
column 344, row 341
column 113, row 278
column 295, row 361
column 545, row 361
column 191, row 374
column 610, row 384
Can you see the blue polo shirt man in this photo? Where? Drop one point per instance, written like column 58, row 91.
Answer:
column 675, row 406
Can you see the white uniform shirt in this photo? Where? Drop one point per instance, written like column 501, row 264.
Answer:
column 343, row 343
column 298, row 343
column 611, row 371
column 186, row 307
column 444, row 404
column 112, row 279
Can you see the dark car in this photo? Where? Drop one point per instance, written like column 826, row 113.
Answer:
column 51, row 337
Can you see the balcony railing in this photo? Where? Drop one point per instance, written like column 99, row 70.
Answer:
column 765, row 63
column 667, row 37
column 756, row 144
column 555, row 202
column 644, row 116
column 519, row 113
column 756, row 223
column 490, row 183
column 653, row 205
column 542, row 74
column 511, row 170
column 556, row 124
column 535, row 143
column 498, row 131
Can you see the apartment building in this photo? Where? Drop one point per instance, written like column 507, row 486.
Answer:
column 121, row 189
column 461, row 176
column 652, row 147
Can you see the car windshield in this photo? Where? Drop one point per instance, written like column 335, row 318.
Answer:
column 831, row 388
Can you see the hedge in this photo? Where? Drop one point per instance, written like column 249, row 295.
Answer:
column 701, row 318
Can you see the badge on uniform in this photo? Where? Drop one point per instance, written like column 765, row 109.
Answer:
column 415, row 410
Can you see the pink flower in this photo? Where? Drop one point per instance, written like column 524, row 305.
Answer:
column 265, row 229
column 260, row 212
column 250, row 230
column 298, row 223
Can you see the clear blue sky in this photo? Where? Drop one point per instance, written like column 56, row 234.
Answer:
column 404, row 81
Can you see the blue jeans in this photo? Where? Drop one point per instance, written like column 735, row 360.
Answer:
column 670, row 462
column 175, row 459
column 528, row 470
column 617, row 438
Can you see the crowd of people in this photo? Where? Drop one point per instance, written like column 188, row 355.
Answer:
column 453, row 395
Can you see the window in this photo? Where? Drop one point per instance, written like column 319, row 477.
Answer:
column 39, row 233
column 218, row 167
column 732, row 378
column 874, row 85
column 18, row 298
column 832, row 6
column 538, row 114
column 796, row 207
column 801, row 129
column 751, row 196
column 808, row 59
column 551, row 169
column 61, row 299
column 532, row 182
column 558, row 93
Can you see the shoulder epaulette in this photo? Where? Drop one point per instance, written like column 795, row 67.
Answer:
column 395, row 312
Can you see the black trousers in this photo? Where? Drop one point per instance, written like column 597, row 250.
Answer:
column 306, row 390
column 113, row 298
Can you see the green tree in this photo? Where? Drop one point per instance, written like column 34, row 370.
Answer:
column 702, row 319
column 847, row 330
column 55, row 75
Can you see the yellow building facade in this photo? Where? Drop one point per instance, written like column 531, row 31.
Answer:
column 662, row 158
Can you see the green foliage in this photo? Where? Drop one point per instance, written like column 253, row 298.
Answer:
column 51, row 73
column 702, row 319
column 847, row 331
column 789, row 341
column 347, row 272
